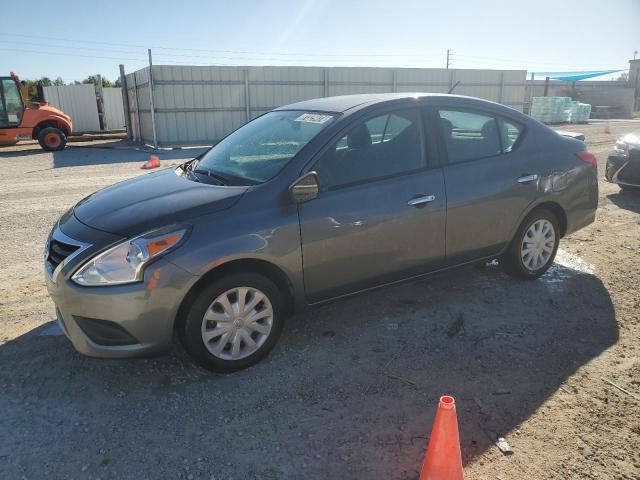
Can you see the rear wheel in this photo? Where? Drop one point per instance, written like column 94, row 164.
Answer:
column 534, row 247
column 233, row 322
column 52, row 139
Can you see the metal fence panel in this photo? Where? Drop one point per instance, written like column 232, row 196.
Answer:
column 200, row 105
column 113, row 115
column 77, row 101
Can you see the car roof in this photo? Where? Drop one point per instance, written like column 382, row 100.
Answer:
column 345, row 103
column 342, row 103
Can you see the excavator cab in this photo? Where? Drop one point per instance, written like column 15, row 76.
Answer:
column 12, row 104
column 21, row 119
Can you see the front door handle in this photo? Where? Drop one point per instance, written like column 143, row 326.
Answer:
column 528, row 178
column 421, row 200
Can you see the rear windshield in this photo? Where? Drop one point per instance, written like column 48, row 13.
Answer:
column 257, row 151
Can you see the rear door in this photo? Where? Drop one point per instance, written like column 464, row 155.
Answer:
column 380, row 214
column 489, row 179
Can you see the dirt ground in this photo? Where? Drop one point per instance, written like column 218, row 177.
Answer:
column 351, row 389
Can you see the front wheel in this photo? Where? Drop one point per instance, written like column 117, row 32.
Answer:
column 52, row 139
column 534, row 247
column 234, row 322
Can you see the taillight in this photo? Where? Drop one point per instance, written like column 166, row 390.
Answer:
column 588, row 157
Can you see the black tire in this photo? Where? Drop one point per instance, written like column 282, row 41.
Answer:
column 191, row 335
column 511, row 261
column 52, row 139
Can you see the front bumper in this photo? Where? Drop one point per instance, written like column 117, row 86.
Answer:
column 624, row 170
column 122, row 320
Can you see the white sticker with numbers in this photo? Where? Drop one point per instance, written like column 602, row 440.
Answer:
column 314, row 118
column 13, row 118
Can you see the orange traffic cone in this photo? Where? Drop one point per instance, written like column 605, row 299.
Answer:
column 153, row 162
column 443, row 460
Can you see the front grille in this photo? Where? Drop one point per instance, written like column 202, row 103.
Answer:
column 58, row 251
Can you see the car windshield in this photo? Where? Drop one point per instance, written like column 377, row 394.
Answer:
column 257, row 151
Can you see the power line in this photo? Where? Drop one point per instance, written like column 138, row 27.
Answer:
column 144, row 60
column 48, row 45
column 69, row 54
column 485, row 60
column 157, row 47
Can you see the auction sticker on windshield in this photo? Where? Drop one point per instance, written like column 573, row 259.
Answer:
column 314, row 118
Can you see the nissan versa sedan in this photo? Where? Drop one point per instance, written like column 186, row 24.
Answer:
column 307, row 203
column 623, row 164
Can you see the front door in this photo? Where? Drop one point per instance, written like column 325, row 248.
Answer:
column 380, row 214
column 11, row 106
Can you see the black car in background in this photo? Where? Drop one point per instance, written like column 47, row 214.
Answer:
column 623, row 164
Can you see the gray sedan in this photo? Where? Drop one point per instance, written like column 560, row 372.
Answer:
column 305, row 204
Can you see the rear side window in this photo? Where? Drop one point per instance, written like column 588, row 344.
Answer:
column 469, row 135
column 382, row 146
column 510, row 133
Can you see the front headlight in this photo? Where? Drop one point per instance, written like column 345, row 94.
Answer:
column 125, row 262
column 621, row 148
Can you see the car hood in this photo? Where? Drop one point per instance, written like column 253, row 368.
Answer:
column 150, row 201
column 632, row 138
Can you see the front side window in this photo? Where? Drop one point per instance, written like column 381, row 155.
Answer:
column 469, row 135
column 13, row 101
column 257, row 151
column 383, row 146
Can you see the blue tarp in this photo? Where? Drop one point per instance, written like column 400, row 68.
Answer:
column 575, row 76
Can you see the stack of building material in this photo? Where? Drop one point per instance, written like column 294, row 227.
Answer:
column 550, row 109
column 559, row 110
column 579, row 112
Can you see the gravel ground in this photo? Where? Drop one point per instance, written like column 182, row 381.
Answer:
column 351, row 389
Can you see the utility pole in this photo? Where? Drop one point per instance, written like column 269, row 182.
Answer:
column 100, row 99
column 125, row 101
column 153, row 110
column 448, row 54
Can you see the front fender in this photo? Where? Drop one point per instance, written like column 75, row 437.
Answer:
column 219, row 239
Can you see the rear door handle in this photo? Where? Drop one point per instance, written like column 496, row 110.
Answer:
column 421, row 200
column 528, row 178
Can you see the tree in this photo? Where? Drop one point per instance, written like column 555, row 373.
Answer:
column 44, row 81
column 93, row 79
column 623, row 77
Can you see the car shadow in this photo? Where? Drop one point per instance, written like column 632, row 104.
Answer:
column 75, row 156
column 628, row 199
column 349, row 392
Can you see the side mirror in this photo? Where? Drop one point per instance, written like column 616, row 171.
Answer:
column 305, row 188
column 34, row 106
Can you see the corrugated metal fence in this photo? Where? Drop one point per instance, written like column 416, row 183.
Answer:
column 77, row 101
column 113, row 115
column 80, row 103
column 200, row 105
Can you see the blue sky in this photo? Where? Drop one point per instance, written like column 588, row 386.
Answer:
column 78, row 38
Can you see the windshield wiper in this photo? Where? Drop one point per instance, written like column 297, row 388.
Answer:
column 209, row 173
